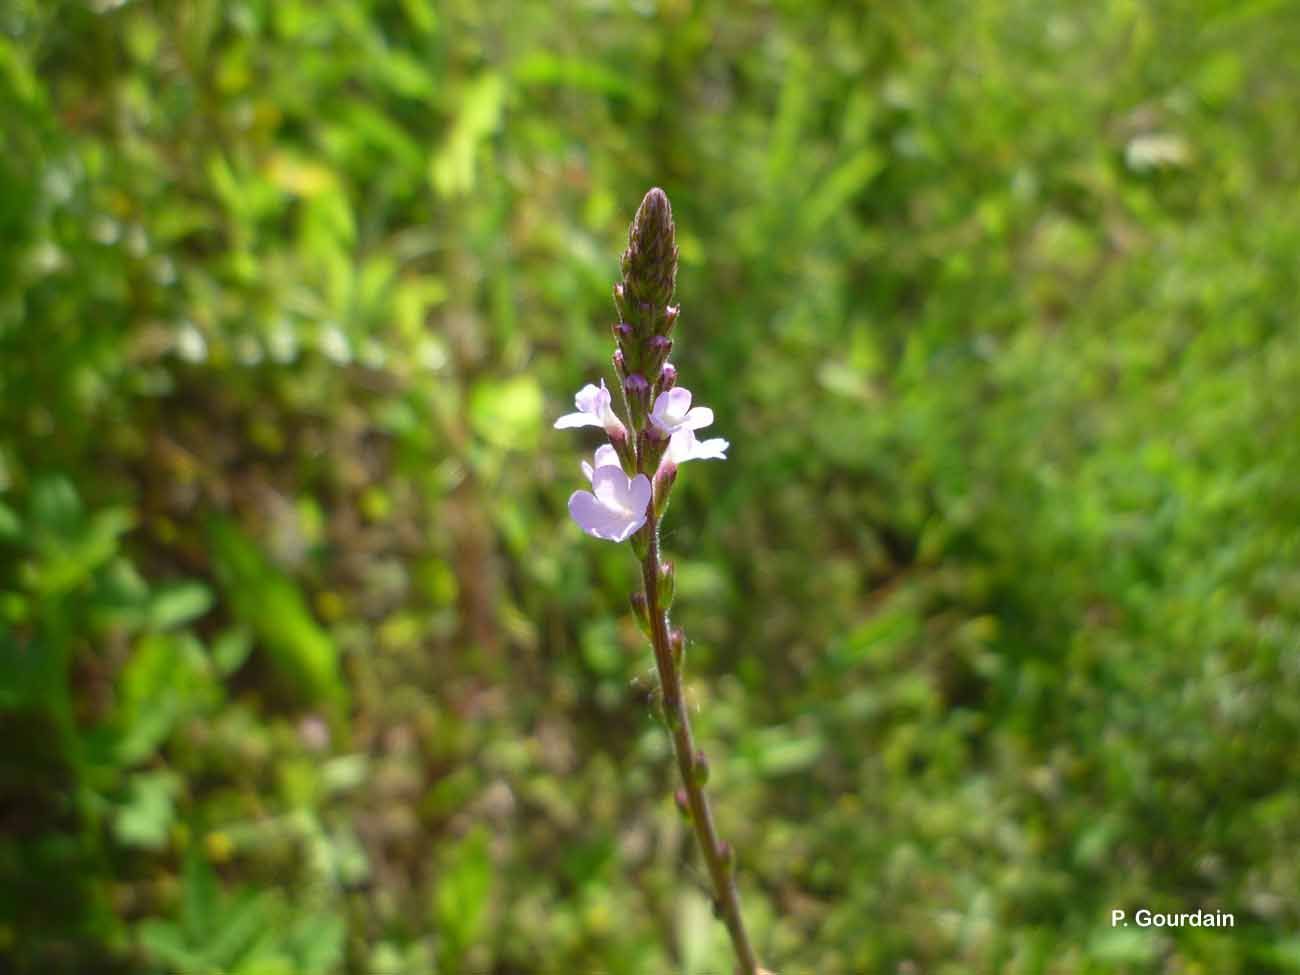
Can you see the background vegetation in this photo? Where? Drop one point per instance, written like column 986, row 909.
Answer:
column 995, row 608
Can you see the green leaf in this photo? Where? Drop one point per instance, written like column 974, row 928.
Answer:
column 10, row 525
column 241, row 922
column 702, row 942
column 1284, row 954
column 55, row 505
column 847, row 181
column 1124, row 946
column 547, row 68
column 199, row 898
column 230, row 650
column 167, row 678
column 461, row 897
column 269, row 603
column 507, row 413
column 270, row 964
column 601, row 648
column 147, row 818
column 453, row 170
column 32, row 673
column 69, row 546
column 166, row 942
column 178, row 604
column 891, row 629
column 318, row 942
column 781, row 751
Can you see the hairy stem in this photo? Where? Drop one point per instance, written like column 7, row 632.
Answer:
column 726, row 898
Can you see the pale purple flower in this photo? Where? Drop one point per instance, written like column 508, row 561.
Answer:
column 595, row 409
column 672, row 412
column 615, row 507
column 606, row 456
column 683, row 447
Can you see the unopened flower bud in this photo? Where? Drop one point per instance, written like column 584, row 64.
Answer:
column 652, row 446
column 667, row 585
column 677, row 644
column 642, row 612
column 669, row 320
column 673, row 718
column 726, row 854
column 641, row 542
column 622, row 444
column 683, row 803
column 667, row 378
column 632, row 351
column 650, row 262
column 616, row 432
column 700, row 767
column 665, row 477
column 619, row 365
column 637, row 390
column 656, row 355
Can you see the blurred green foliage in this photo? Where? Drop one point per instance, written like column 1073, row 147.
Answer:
column 994, row 610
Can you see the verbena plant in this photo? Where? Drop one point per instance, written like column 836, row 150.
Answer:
column 632, row 479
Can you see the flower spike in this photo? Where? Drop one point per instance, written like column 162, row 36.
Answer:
column 631, row 480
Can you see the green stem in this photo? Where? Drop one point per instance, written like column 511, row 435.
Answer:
column 726, row 898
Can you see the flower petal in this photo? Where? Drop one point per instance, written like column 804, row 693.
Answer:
column 572, row 420
column 592, row 399
column 587, row 470
column 683, row 447
column 672, row 404
column 607, row 456
column 639, row 493
column 698, row 418
column 589, row 513
column 713, row 449
column 630, row 527
column 680, row 447
column 599, row 521
column 610, row 487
